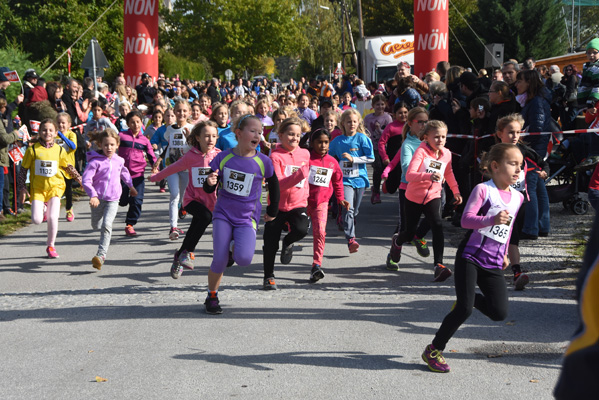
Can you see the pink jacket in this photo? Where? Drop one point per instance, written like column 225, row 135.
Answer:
column 393, row 129
column 193, row 161
column 292, row 196
column 421, row 189
column 322, row 194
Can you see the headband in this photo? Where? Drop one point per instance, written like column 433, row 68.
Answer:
column 241, row 120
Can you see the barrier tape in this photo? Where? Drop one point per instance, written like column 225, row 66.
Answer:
column 452, row 135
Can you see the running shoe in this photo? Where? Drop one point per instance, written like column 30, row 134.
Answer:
column 352, row 245
column 269, row 284
column 375, row 198
column 51, row 251
column 435, row 360
column 193, row 256
column 175, row 233
column 98, row 261
column 212, row 305
column 441, row 273
column 176, row 268
column 391, row 265
column 185, row 259
column 182, row 213
column 287, row 254
column 70, row 215
column 395, row 251
column 421, row 247
column 129, row 231
column 316, row 274
column 520, row 280
column 162, row 190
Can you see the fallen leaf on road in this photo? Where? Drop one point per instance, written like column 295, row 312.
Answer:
column 453, row 351
column 90, row 351
column 534, row 381
column 100, row 379
column 511, row 323
column 494, row 355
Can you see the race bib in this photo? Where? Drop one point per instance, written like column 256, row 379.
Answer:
column 431, row 166
column 237, row 182
column 499, row 233
column 349, row 169
column 520, row 185
column 290, row 170
column 177, row 140
column 46, row 168
column 320, row 176
column 198, row 176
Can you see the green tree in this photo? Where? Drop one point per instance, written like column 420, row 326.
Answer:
column 170, row 65
column 45, row 29
column 234, row 34
column 526, row 27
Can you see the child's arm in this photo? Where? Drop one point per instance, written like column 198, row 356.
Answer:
column 178, row 166
column 72, row 146
column 150, row 152
column 21, row 184
column 126, row 177
column 453, row 183
column 383, row 143
column 396, row 159
column 211, row 182
column 87, row 179
column 337, row 182
column 287, row 182
column 412, row 174
column 73, row 173
column 274, row 195
column 470, row 217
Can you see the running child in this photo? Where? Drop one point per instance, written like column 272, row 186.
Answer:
column 227, row 138
column 46, row 162
column 325, row 177
column 237, row 211
column 482, row 255
column 98, row 122
column 68, row 140
column 508, row 131
column 102, row 182
column 291, row 165
column 375, row 123
column 429, row 168
column 197, row 115
column 346, row 102
column 354, row 150
column 196, row 163
column 159, row 143
column 416, row 120
column 177, row 137
column 262, row 109
column 134, row 148
column 156, row 123
column 391, row 138
column 220, row 115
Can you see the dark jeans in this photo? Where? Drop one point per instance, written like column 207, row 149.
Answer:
column 492, row 302
column 134, row 211
column 298, row 228
column 200, row 221
column 432, row 213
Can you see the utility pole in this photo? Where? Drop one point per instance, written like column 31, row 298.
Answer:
column 343, row 35
column 351, row 37
column 360, row 22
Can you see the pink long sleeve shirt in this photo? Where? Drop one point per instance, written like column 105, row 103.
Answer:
column 292, row 169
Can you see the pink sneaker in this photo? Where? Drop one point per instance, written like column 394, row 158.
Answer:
column 70, row 215
column 129, row 231
column 51, row 251
column 353, row 245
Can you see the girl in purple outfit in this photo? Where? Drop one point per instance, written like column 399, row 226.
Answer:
column 481, row 257
column 102, row 183
column 240, row 172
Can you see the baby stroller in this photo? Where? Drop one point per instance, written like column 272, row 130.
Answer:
column 570, row 172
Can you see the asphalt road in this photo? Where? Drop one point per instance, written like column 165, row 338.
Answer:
column 357, row 334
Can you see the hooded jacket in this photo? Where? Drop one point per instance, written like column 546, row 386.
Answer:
column 102, row 176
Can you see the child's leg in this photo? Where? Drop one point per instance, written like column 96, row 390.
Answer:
column 493, row 301
column 377, row 170
column 200, row 221
column 98, row 215
column 432, row 212
column 298, row 226
column 465, row 276
column 135, row 203
column 124, row 200
column 53, row 212
column 354, row 197
column 318, row 215
column 37, row 212
column 245, row 245
column 222, row 233
column 413, row 212
column 68, row 192
column 183, row 181
column 173, row 205
column 272, row 236
column 110, row 209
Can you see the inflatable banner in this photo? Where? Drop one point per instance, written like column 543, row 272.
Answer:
column 431, row 30
column 141, row 39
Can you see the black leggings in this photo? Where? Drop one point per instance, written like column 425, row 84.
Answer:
column 492, row 302
column 68, row 193
column 377, row 170
column 432, row 213
column 202, row 217
column 298, row 228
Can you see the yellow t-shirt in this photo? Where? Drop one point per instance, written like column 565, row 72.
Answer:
column 45, row 169
column 70, row 152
